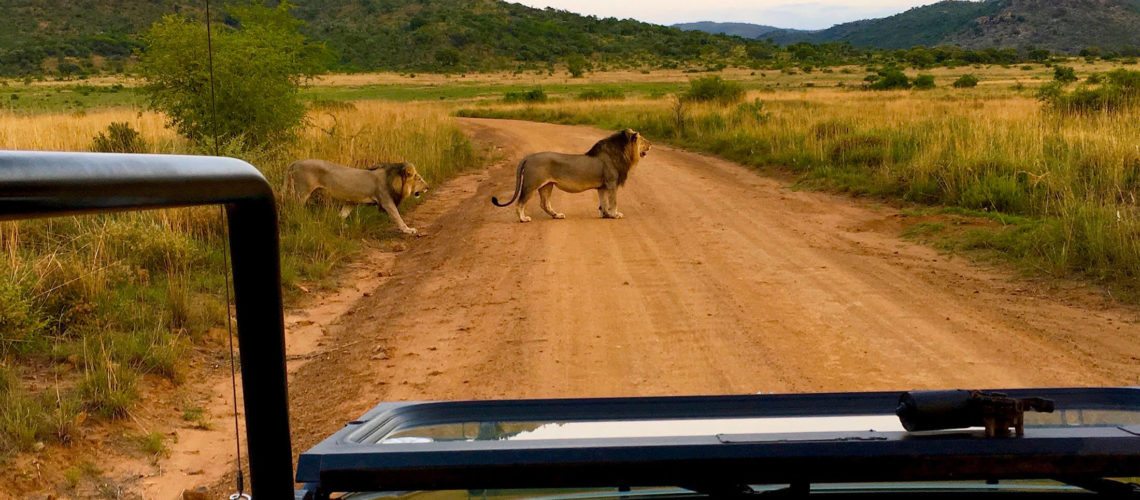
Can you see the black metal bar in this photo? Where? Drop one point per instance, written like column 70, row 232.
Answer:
column 41, row 184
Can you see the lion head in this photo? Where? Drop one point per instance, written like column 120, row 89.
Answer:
column 626, row 146
column 404, row 180
column 643, row 145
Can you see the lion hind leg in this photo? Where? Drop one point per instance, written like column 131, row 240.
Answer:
column 545, row 193
column 524, row 196
column 303, row 189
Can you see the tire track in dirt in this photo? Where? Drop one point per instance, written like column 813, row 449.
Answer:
column 717, row 281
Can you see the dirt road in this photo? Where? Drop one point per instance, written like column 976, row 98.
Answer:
column 717, row 281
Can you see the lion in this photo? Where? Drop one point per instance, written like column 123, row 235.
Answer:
column 385, row 184
column 604, row 167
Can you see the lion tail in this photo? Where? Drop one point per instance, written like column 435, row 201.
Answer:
column 518, row 187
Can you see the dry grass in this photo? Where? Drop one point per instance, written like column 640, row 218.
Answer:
column 109, row 302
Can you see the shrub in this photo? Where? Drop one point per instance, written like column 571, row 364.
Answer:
column 119, row 138
column 1121, row 90
column 1064, row 74
column 714, row 89
column 890, row 79
column 966, row 81
column 533, row 95
column 924, row 82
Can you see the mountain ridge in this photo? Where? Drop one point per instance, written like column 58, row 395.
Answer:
column 744, row 30
column 1066, row 26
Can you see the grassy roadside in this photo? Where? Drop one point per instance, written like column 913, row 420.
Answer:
column 95, row 310
column 1060, row 190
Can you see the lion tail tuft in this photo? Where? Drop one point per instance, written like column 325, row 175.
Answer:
column 518, row 187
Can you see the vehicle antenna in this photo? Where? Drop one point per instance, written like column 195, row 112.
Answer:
column 240, row 476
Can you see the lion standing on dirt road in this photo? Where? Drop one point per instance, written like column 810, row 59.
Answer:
column 386, row 185
column 604, row 167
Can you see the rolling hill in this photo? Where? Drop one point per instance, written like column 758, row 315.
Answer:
column 1057, row 25
column 406, row 35
column 744, row 30
column 75, row 37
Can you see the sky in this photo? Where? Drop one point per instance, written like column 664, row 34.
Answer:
column 804, row 14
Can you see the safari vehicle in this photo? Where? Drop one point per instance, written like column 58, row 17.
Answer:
column 1020, row 443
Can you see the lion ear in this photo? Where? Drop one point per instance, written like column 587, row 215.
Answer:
column 633, row 137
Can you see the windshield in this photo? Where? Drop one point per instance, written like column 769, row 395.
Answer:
column 573, row 204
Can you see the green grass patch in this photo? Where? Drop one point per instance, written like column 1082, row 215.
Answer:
column 39, row 98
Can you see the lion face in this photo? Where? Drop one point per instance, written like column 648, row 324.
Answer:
column 419, row 185
column 643, row 145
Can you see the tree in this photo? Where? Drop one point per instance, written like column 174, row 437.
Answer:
column 259, row 64
column 577, row 65
column 447, row 57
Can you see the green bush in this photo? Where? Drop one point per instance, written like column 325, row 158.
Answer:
column 260, row 59
column 714, row 89
column 1064, row 74
column 966, row 81
column 924, row 82
column 890, row 79
column 119, row 138
column 1120, row 91
column 533, row 95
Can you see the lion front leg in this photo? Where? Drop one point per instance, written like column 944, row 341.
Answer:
column 608, row 203
column 393, row 213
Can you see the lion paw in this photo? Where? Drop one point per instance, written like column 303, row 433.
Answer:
column 410, row 230
column 559, row 215
column 618, row 215
column 525, row 218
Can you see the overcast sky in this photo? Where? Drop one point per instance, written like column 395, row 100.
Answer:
column 804, row 14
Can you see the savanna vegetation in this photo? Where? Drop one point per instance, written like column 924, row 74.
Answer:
column 104, row 306
column 97, row 309
column 1028, row 161
column 1049, row 180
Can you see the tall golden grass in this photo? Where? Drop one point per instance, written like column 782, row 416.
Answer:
column 1065, row 187
column 115, row 300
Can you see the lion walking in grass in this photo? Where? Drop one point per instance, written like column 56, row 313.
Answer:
column 605, row 167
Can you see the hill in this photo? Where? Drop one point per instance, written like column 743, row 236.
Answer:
column 78, row 36
column 1056, row 25
column 489, row 34
column 744, row 30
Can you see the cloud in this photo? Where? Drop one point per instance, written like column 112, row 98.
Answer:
column 816, row 14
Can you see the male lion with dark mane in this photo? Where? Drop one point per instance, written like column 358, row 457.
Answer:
column 604, row 167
